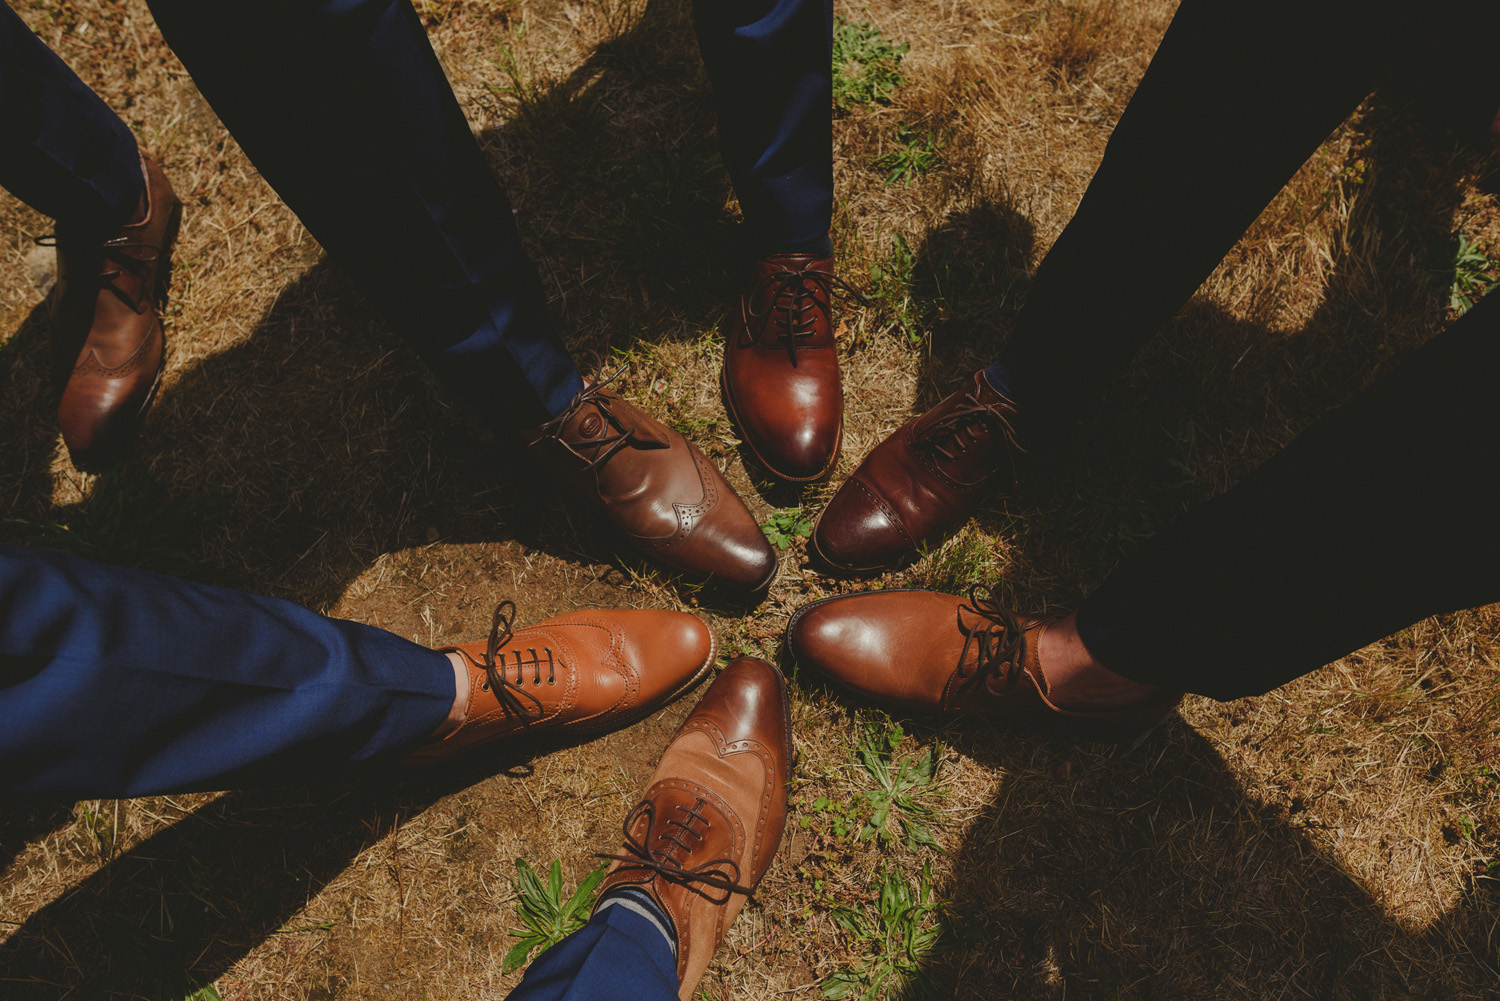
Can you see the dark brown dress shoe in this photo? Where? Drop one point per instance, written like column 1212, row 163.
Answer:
column 573, row 675
column 927, row 653
column 711, row 820
column 919, row 485
column 667, row 498
column 108, row 348
column 781, row 368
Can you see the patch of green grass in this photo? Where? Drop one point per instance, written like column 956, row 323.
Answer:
column 899, row 789
column 916, row 153
column 547, row 916
column 784, row 528
column 866, row 65
column 128, row 520
column 967, row 561
column 1473, row 274
column 906, row 929
column 891, row 293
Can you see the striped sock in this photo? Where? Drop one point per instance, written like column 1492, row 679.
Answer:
column 640, row 902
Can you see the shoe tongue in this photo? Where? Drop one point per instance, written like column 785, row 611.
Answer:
column 593, row 421
column 691, row 828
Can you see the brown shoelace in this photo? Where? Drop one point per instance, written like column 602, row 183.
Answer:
column 998, row 639
column 794, row 287
column 606, row 445
column 115, row 262
column 507, row 694
column 716, row 886
column 956, row 430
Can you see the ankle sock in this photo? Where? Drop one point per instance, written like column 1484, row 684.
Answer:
column 638, row 901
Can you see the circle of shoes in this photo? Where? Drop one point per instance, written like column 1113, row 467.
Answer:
column 998, row 640
column 706, row 880
column 115, row 260
column 507, row 694
column 798, row 290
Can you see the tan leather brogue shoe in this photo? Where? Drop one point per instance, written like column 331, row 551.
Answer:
column 576, row 674
column 781, row 367
column 664, row 495
column 928, row 653
column 919, row 485
column 711, row 820
column 108, row 347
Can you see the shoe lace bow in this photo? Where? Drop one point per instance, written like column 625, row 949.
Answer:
column 709, row 880
column 510, row 695
column 798, row 290
column 998, row 641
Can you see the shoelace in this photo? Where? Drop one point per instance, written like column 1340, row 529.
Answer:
column 510, row 695
column 793, row 285
column 998, row 637
column 114, row 251
column 605, row 446
column 639, row 856
column 956, row 429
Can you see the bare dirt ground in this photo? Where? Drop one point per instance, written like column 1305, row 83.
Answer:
column 1337, row 838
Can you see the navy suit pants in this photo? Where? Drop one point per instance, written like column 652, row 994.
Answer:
column 343, row 107
column 62, row 151
column 118, row 683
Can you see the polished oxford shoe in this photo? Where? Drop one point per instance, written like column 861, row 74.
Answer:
column 108, row 348
column 781, row 367
column 573, row 675
column 711, row 819
column 919, row 485
column 932, row 654
column 667, row 498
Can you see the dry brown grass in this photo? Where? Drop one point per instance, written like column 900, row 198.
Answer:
column 1334, row 839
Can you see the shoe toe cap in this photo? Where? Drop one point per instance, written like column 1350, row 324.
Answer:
column 748, row 701
column 856, row 532
column 668, row 649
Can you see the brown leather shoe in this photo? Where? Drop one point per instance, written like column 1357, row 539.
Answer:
column 711, row 820
column 781, row 368
column 656, row 487
column 927, row 653
column 919, row 485
column 108, row 348
column 576, row 674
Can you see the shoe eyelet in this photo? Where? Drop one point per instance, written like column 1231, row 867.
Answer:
column 484, row 687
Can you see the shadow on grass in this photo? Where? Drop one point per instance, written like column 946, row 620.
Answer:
column 1149, row 874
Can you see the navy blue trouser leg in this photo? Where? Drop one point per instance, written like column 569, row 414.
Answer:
column 343, row 107
column 771, row 66
column 62, row 151
column 1381, row 514
column 617, row 955
column 119, row 683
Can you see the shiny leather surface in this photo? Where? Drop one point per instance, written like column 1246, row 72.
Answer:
column 920, row 652
column 717, row 803
column 919, row 485
column 587, row 672
column 108, row 347
column 781, row 368
column 668, row 499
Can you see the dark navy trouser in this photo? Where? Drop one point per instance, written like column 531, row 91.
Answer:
column 62, row 151
column 118, row 683
column 343, row 107
column 1382, row 513
column 617, row 955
